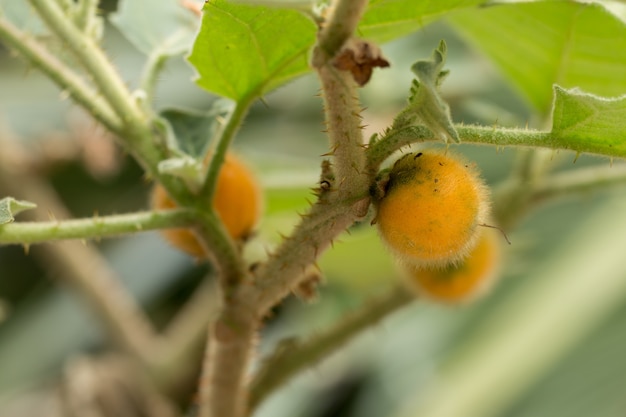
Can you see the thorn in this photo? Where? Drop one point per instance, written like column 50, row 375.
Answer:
column 576, row 157
column 498, row 229
column 26, row 247
column 51, row 216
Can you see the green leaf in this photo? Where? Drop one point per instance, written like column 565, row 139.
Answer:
column 385, row 20
column 150, row 25
column 588, row 123
column 194, row 130
column 244, row 51
column 426, row 107
column 10, row 207
column 540, row 44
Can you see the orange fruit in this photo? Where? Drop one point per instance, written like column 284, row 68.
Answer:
column 461, row 281
column 432, row 207
column 237, row 202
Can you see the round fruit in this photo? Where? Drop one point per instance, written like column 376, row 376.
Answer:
column 237, row 202
column 432, row 207
column 461, row 281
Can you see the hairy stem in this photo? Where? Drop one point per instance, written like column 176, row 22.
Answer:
column 85, row 15
column 339, row 28
column 93, row 59
column 302, row 248
column 62, row 75
column 343, row 122
column 295, row 356
column 223, row 390
column 93, row 228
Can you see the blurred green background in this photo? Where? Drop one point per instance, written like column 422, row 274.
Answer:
column 547, row 341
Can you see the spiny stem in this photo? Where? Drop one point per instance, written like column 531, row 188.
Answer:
column 93, row 228
column 62, row 75
column 309, row 240
column 343, row 122
column 85, row 15
column 223, row 390
column 340, row 26
column 93, row 59
column 296, row 356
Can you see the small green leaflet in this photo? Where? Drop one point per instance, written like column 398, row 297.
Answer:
column 587, row 123
column 244, row 51
column 10, row 207
column 426, row 107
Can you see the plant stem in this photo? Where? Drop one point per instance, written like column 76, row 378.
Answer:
column 222, row 249
column 223, row 392
column 58, row 72
column 96, row 227
column 392, row 141
column 86, row 12
column 94, row 60
column 222, row 388
column 215, row 156
column 323, row 223
column 149, row 76
column 340, row 27
column 286, row 362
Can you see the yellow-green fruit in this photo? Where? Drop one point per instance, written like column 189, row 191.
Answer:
column 237, row 202
column 432, row 208
column 464, row 280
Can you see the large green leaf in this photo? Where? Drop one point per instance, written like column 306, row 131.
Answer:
column 540, row 44
column 385, row 20
column 244, row 51
column 150, row 25
column 588, row 123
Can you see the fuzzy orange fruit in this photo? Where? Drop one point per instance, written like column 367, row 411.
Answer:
column 432, row 207
column 461, row 281
column 237, row 202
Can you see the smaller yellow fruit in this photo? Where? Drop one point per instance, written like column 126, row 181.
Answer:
column 237, row 202
column 461, row 281
column 432, row 207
